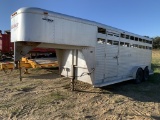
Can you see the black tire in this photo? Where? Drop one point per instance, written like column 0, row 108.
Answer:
column 145, row 74
column 139, row 76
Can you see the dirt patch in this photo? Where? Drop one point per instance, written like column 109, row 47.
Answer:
column 44, row 95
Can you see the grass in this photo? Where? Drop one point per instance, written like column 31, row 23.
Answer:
column 6, row 106
column 155, row 66
column 25, row 88
column 51, row 98
column 35, row 69
column 14, row 112
column 57, row 96
column 119, row 100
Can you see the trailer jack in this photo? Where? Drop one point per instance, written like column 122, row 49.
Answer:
column 73, row 78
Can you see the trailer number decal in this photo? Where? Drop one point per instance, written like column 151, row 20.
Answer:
column 47, row 19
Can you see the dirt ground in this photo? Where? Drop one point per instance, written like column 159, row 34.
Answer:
column 43, row 95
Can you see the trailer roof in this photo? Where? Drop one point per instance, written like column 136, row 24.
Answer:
column 60, row 15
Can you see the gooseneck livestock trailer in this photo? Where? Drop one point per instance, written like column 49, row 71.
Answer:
column 91, row 52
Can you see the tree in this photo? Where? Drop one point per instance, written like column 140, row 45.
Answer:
column 156, row 42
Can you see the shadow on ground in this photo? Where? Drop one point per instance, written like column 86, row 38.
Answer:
column 147, row 91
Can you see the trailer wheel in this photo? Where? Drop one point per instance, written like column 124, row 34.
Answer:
column 145, row 74
column 139, row 76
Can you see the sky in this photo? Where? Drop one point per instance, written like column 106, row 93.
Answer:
column 137, row 16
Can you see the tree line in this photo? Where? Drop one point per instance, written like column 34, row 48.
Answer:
column 156, row 42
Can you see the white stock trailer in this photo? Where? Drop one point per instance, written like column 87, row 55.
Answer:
column 91, row 52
